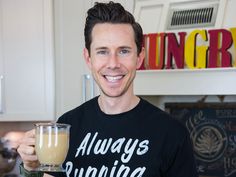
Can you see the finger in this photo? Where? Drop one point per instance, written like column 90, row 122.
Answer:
column 29, row 158
column 27, row 154
column 30, row 133
column 28, row 138
column 25, row 149
column 28, row 141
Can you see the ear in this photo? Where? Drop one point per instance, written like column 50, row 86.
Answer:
column 141, row 57
column 87, row 57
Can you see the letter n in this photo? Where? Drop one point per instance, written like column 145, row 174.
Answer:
column 175, row 50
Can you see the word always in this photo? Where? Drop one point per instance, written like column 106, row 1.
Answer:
column 127, row 148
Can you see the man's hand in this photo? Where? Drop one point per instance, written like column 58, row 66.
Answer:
column 26, row 150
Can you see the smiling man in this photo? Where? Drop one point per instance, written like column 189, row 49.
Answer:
column 113, row 58
column 117, row 134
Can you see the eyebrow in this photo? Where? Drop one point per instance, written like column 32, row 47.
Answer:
column 121, row 47
column 125, row 47
column 101, row 48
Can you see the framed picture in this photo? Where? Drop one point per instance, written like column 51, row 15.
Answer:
column 212, row 128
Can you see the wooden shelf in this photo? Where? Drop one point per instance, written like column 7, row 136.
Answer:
column 219, row 81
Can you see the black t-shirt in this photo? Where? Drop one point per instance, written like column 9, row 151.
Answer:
column 144, row 141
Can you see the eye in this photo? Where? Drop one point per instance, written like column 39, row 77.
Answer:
column 124, row 51
column 102, row 52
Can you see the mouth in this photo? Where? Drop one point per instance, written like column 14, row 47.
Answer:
column 113, row 79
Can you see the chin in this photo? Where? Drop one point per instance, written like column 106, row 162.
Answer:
column 112, row 94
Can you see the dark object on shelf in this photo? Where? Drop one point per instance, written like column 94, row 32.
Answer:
column 7, row 157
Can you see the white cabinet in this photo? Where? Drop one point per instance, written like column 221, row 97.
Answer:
column 26, row 60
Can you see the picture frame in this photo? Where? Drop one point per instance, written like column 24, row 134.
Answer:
column 212, row 129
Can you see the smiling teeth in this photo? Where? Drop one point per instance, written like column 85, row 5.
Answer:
column 113, row 79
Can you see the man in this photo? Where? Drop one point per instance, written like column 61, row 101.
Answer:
column 118, row 134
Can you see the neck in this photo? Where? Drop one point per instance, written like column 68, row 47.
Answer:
column 116, row 105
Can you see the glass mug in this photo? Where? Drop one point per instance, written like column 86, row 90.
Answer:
column 52, row 144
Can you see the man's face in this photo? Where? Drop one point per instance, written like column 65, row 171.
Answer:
column 113, row 58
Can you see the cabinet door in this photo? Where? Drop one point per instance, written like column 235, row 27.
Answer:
column 128, row 5
column 26, row 58
column 145, row 11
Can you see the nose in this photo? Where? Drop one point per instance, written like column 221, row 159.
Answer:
column 113, row 61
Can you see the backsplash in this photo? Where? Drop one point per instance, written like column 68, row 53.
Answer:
column 15, row 126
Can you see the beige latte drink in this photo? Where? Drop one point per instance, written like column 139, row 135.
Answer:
column 52, row 148
column 52, row 143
